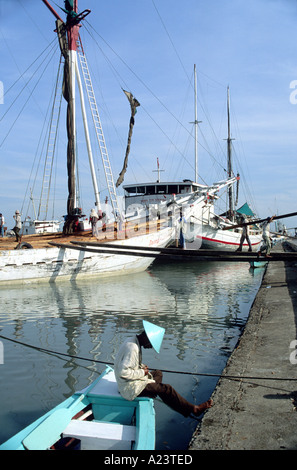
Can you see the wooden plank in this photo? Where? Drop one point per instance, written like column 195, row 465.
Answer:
column 103, row 250
column 172, row 251
column 180, row 255
column 182, row 252
column 258, row 221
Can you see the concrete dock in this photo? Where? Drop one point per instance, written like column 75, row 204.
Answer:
column 258, row 411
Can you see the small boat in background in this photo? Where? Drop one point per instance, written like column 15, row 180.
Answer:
column 31, row 227
column 96, row 418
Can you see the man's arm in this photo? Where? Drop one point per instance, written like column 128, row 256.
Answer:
column 130, row 369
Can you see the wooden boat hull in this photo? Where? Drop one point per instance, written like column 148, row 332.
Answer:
column 52, row 263
column 116, row 423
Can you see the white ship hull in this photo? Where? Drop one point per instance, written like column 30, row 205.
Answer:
column 53, row 263
column 209, row 238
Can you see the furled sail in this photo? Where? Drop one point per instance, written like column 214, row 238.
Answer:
column 134, row 104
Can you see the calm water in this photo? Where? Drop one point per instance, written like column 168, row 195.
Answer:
column 203, row 307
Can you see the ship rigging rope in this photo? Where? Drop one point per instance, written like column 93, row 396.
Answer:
column 30, row 95
column 192, row 85
column 204, row 374
column 23, row 74
column 153, row 94
column 200, row 103
column 40, row 151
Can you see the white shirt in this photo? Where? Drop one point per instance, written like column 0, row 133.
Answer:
column 266, row 228
column 129, row 371
column 18, row 222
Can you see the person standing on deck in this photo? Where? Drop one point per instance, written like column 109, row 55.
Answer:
column 94, row 219
column 18, row 225
column 244, row 235
column 182, row 227
column 266, row 236
column 2, row 222
column 135, row 380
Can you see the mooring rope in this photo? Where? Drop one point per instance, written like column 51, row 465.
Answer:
column 203, row 374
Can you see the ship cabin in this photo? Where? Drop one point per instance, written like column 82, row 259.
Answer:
column 150, row 194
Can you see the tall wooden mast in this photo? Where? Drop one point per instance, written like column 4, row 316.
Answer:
column 68, row 34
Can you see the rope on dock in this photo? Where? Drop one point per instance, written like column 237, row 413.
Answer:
column 204, row 374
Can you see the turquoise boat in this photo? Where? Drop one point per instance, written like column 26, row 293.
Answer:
column 96, row 418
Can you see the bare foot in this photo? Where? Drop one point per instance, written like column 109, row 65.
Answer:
column 199, row 409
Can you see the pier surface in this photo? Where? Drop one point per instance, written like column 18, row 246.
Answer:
column 259, row 412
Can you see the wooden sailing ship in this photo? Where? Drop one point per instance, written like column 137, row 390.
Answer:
column 46, row 256
column 212, row 231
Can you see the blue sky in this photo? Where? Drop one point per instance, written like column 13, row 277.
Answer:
column 150, row 48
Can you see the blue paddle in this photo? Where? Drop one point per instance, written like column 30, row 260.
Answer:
column 49, row 431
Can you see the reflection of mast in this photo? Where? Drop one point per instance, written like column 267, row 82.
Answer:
column 72, row 328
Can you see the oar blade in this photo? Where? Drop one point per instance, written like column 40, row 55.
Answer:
column 48, row 431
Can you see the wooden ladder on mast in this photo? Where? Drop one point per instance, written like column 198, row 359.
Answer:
column 99, row 130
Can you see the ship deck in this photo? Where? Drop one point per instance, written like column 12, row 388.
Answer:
column 110, row 234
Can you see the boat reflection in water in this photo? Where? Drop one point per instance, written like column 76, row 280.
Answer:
column 202, row 306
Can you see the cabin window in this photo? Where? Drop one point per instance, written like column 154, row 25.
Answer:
column 161, row 189
column 140, row 190
column 173, row 189
column 135, row 190
column 185, row 189
column 150, row 190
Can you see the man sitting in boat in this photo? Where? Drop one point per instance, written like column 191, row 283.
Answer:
column 135, row 380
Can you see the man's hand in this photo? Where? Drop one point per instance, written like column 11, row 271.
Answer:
column 146, row 370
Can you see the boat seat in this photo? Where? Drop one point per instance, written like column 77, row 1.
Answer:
column 101, row 436
column 106, row 386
